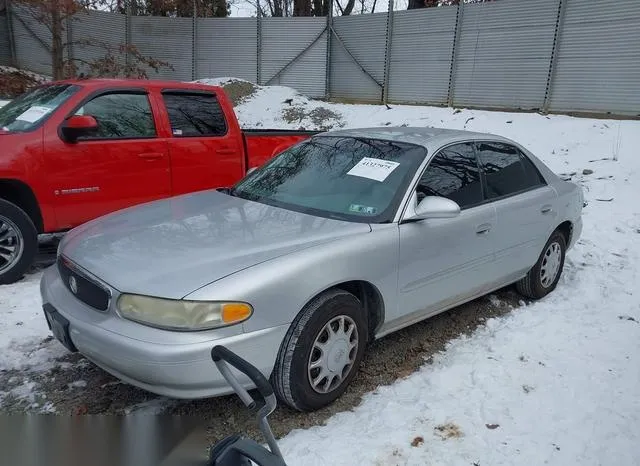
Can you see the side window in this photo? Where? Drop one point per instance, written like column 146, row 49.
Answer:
column 533, row 175
column 505, row 170
column 195, row 115
column 453, row 173
column 123, row 115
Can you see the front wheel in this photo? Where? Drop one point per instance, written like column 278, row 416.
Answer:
column 321, row 352
column 18, row 242
column 545, row 274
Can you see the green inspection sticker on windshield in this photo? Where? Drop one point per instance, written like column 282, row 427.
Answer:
column 363, row 209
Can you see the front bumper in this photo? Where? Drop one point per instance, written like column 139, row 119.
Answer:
column 173, row 364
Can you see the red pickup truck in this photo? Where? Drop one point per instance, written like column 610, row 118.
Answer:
column 71, row 151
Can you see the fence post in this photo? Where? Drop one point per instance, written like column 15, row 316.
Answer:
column 387, row 54
column 12, row 41
column 554, row 55
column 454, row 54
column 194, row 41
column 127, row 34
column 259, row 43
column 327, row 58
column 70, row 54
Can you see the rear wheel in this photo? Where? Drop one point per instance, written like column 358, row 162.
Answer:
column 18, row 242
column 545, row 274
column 321, row 352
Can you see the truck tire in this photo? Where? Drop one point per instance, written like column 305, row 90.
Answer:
column 18, row 242
column 307, row 378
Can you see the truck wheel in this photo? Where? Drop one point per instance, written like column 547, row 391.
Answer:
column 18, row 242
column 321, row 352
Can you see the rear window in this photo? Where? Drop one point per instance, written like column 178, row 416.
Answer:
column 195, row 115
column 33, row 107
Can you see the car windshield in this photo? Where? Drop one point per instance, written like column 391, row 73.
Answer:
column 31, row 108
column 349, row 178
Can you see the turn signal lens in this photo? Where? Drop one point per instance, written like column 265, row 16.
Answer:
column 235, row 312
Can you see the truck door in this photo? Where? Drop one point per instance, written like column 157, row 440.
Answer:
column 205, row 152
column 122, row 164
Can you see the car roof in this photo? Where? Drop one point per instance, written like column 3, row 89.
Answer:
column 428, row 137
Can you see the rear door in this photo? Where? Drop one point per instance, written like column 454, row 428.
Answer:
column 205, row 152
column 124, row 163
column 525, row 206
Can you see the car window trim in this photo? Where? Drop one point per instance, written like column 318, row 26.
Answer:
column 187, row 92
column 107, row 91
column 521, row 154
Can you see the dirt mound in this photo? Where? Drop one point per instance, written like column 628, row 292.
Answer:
column 14, row 82
column 238, row 90
column 321, row 118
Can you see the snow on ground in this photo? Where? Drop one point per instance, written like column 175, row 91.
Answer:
column 23, row 327
column 554, row 382
column 4, row 102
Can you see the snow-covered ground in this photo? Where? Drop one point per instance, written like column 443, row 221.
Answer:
column 554, row 382
column 3, row 102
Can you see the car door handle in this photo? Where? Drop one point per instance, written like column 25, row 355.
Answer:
column 545, row 209
column 151, row 155
column 483, row 229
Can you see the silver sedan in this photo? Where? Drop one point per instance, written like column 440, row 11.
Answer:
column 339, row 240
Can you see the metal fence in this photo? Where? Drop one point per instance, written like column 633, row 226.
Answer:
column 550, row 55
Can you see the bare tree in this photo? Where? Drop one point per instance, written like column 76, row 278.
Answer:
column 414, row 4
column 54, row 16
column 280, row 8
column 175, row 8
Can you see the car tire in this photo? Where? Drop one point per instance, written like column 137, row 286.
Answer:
column 292, row 376
column 18, row 242
column 545, row 274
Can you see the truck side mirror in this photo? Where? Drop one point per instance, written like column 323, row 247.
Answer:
column 78, row 126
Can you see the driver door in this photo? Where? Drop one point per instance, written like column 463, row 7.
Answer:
column 444, row 260
column 124, row 163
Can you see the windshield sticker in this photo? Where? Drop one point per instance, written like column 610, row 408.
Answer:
column 33, row 114
column 362, row 209
column 374, row 169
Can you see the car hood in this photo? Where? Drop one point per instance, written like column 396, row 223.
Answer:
column 172, row 247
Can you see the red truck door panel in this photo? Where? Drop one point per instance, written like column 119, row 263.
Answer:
column 205, row 147
column 122, row 164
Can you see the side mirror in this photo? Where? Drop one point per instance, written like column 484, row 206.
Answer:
column 434, row 207
column 78, row 126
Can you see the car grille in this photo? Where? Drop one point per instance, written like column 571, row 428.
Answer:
column 85, row 289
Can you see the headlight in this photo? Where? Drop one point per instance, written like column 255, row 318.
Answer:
column 174, row 314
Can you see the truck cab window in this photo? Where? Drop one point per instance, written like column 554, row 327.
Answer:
column 195, row 115
column 120, row 116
